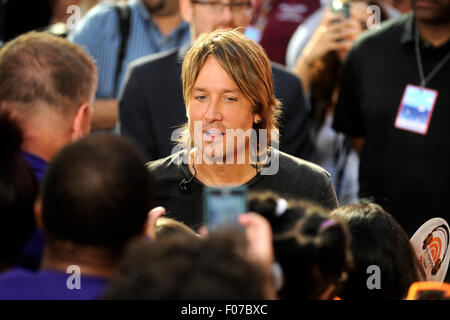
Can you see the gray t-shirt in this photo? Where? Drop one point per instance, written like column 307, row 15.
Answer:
column 295, row 178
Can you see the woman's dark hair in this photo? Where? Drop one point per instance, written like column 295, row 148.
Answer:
column 18, row 192
column 378, row 240
column 312, row 248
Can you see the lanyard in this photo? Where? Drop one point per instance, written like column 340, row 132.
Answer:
column 439, row 65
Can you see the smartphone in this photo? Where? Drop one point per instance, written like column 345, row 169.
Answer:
column 340, row 6
column 222, row 206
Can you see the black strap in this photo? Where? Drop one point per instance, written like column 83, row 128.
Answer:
column 123, row 12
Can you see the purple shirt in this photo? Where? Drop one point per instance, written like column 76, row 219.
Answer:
column 21, row 284
column 36, row 163
column 32, row 251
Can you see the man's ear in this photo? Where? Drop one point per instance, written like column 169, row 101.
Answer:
column 256, row 118
column 81, row 122
column 186, row 10
column 152, row 219
column 38, row 213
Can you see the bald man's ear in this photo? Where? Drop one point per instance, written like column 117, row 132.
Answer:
column 186, row 10
column 81, row 122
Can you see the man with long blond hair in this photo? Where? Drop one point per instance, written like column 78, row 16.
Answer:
column 232, row 123
column 151, row 102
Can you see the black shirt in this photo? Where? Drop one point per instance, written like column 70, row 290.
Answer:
column 406, row 172
column 295, row 178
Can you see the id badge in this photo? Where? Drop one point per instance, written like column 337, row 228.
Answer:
column 414, row 113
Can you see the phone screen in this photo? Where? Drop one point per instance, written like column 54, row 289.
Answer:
column 222, row 206
column 340, row 6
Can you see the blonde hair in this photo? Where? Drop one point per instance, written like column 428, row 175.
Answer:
column 247, row 65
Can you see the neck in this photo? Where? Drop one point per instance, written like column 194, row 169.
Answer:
column 42, row 145
column 91, row 261
column 435, row 33
column 166, row 24
column 44, row 132
column 223, row 174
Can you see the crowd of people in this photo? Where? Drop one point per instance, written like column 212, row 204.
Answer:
column 333, row 126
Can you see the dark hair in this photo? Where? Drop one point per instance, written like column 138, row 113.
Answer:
column 265, row 203
column 181, row 268
column 97, row 192
column 377, row 239
column 42, row 67
column 312, row 248
column 18, row 192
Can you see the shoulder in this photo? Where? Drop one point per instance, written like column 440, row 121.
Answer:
column 300, row 179
column 15, row 281
column 102, row 18
column 287, row 87
column 101, row 11
column 167, row 167
column 299, row 168
column 15, row 274
column 389, row 32
column 281, row 73
column 155, row 61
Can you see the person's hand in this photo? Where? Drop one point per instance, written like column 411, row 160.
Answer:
column 258, row 234
column 335, row 33
column 259, row 237
column 152, row 221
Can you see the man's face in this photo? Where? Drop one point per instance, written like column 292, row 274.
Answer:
column 218, row 105
column 209, row 15
column 432, row 11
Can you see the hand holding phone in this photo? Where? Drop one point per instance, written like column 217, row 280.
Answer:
column 222, row 206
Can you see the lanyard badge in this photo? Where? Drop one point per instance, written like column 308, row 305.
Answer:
column 416, row 107
column 414, row 113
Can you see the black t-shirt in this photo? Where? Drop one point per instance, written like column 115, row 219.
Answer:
column 295, row 178
column 408, row 173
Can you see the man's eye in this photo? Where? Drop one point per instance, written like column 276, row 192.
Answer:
column 230, row 99
column 200, row 98
column 240, row 5
column 215, row 5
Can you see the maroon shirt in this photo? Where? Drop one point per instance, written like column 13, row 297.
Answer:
column 282, row 21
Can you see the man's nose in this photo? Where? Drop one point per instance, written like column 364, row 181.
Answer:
column 214, row 112
column 226, row 17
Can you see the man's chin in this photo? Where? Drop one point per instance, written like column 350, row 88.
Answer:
column 431, row 13
column 155, row 7
column 432, row 18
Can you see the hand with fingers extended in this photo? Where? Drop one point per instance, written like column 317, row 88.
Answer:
column 335, row 33
column 259, row 237
column 258, row 234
